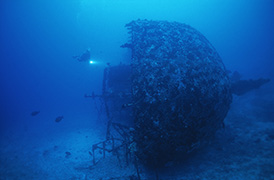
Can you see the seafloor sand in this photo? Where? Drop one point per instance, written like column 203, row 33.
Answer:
column 244, row 150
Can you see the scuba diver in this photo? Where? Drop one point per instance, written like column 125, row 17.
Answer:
column 83, row 57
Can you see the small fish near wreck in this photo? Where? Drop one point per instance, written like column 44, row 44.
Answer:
column 68, row 154
column 34, row 113
column 59, row 118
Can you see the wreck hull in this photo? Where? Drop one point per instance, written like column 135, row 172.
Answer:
column 180, row 90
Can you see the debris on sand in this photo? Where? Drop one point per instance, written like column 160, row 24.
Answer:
column 241, row 87
column 34, row 113
column 59, row 118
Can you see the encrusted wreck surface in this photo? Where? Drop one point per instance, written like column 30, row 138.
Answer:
column 181, row 92
column 117, row 93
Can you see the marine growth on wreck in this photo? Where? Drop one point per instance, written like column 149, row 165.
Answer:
column 180, row 90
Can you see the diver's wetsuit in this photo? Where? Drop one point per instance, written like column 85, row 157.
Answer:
column 84, row 57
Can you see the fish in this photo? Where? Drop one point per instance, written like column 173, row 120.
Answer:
column 46, row 153
column 59, row 118
column 34, row 113
column 68, row 154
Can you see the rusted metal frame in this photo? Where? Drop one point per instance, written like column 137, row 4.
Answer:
column 104, row 149
column 127, row 152
column 120, row 125
column 108, row 130
column 93, row 155
column 112, row 139
column 137, row 167
column 119, row 128
column 114, row 149
column 119, row 131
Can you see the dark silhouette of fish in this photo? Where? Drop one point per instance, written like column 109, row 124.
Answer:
column 34, row 113
column 59, row 118
column 68, row 154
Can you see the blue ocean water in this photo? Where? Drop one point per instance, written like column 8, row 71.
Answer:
column 37, row 73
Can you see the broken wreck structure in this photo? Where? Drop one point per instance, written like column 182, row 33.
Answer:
column 175, row 92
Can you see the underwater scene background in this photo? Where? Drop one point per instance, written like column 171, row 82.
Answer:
column 48, row 125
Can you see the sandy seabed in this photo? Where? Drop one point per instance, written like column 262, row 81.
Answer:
column 243, row 150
